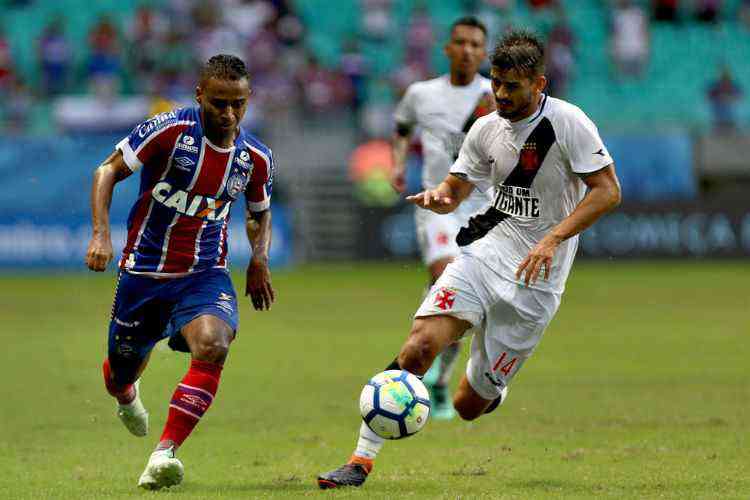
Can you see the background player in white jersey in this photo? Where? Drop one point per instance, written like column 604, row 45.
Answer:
column 553, row 178
column 444, row 109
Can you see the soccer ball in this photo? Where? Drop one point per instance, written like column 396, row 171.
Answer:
column 395, row 404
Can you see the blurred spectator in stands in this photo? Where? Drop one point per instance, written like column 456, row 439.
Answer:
column 212, row 35
column 176, row 66
column 248, row 17
column 420, row 35
column 744, row 13
column 498, row 16
column 354, row 67
column 707, row 10
column 724, row 95
column 630, row 40
column 55, row 57
column 289, row 29
column 560, row 61
column 104, row 65
column 376, row 19
column 665, row 10
column 409, row 71
column 262, row 49
column 145, row 33
column 6, row 63
column 376, row 119
column 323, row 89
column 540, row 4
column 17, row 105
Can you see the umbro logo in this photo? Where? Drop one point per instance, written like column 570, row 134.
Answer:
column 491, row 160
column 184, row 163
column 600, row 152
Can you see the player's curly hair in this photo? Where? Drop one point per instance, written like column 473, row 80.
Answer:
column 224, row 67
column 520, row 50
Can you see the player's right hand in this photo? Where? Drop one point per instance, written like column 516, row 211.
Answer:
column 99, row 253
column 398, row 181
column 434, row 200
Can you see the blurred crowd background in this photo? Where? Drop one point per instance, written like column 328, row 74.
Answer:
column 665, row 80
column 629, row 63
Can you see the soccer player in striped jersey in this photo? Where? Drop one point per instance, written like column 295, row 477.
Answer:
column 173, row 279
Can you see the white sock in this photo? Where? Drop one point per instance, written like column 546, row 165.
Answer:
column 448, row 359
column 369, row 443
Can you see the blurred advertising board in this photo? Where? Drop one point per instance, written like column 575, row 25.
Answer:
column 60, row 242
column 716, row 228
column 711, row 229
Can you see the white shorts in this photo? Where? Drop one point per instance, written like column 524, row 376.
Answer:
column 508, row 320
column 436, row 233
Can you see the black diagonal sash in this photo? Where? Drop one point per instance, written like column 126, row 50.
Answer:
column 484, row 106
column 530, row 160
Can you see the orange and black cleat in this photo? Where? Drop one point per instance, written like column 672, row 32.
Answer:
column 353, row 473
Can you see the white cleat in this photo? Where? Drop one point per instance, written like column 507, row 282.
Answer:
column 134, row 414
column 162, row 471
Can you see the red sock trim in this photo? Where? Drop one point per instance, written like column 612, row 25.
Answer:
column 191, row 400
column 206, row 367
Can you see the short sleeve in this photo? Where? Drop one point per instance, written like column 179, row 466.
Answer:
column 472, row 162
column 405, row 112
column 258, row 191
column 152, row 138
column 583, row 145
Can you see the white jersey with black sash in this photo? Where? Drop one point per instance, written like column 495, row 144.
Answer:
column 534, row 166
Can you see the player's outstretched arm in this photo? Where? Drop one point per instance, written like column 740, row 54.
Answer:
column 109, row 173
column 446, row 198
column 400, row 150
column 258, row 276
column 603, row 196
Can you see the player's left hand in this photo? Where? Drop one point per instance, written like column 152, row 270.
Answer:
column 432, row 199
column 539, row 256
column 258, row 284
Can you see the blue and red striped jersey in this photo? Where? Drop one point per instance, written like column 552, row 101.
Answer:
column 179, row 223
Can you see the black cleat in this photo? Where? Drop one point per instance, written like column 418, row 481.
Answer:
column 346, row 475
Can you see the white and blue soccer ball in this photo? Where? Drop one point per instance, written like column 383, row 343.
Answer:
column 395, row 404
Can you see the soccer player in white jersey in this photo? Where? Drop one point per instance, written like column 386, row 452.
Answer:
column 444, row 109
column 553, row 178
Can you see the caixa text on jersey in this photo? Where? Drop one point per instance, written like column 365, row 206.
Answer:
column 195, row 206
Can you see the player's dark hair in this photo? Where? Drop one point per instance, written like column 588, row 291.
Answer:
column 469, row 21
column 224, row 67
column 520, row 50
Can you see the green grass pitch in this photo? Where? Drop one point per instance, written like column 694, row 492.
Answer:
column 639, row 389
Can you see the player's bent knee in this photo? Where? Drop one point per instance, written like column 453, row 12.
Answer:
column 212, row 350
column 209, row 339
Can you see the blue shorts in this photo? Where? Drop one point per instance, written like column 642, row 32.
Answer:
column 147, row 310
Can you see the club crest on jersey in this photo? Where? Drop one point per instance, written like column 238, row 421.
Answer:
column 243, row 159
column 195, row 206
column 445, row 297
column 236, row 184
column 529, row 158
column 187, row 144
